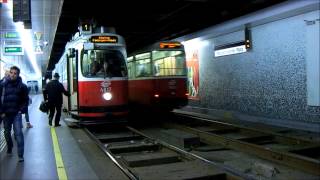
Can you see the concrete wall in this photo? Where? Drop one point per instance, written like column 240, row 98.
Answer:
column 269, row 82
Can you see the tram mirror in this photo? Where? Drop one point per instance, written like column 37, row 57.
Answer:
column 88, row 46
column 71, row 53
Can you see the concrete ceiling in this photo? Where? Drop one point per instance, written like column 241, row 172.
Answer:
column 140, row 22
column 45, row 16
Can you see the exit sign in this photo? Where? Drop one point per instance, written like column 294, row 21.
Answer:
column 13, row 50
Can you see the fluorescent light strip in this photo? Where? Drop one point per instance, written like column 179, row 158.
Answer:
column 27, row 43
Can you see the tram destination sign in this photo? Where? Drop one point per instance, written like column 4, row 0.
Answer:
column 170, row 45
column 104, row 39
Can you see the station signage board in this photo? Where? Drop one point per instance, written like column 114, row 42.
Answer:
column 11, row 35
column 234, row 48
column 13, row 50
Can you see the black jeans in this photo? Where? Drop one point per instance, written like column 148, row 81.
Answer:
column 52, row 109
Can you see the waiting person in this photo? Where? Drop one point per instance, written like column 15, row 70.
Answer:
column 14, row 103
column 53, row 94
column 36, row 88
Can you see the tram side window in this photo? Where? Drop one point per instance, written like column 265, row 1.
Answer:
column 74, row 74
column 131, row 70
column 143, row 65
column 64, row 75
column 181, row 65
column 85, row 63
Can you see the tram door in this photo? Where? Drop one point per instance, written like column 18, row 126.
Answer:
column 73, row 82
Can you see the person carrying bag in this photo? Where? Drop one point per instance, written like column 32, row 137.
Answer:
column 44, row 107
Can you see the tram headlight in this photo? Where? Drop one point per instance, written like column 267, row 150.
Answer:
column 107, row 96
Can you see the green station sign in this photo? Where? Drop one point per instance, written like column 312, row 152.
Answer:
column 12, row 35
column 13, row 49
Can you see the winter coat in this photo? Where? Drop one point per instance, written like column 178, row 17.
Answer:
column 53, row 92
column 15, row 96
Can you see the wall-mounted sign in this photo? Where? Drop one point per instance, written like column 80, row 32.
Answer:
column 11, row 35
column 13, row 50
column 38, row 36
column 234, row 48
column 38, row 49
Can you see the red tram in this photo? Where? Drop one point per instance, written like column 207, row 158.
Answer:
column 158, row 77
column 93, row 69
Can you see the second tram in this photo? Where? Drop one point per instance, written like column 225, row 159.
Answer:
column 158, row 76
column 93, row 69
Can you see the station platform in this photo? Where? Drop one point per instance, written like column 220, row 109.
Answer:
column 68, row 153
column 55, row 152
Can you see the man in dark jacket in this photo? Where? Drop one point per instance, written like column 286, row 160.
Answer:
column 53, row 94
column 14, row 102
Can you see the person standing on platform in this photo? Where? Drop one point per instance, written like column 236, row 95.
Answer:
column 53, row 94
column 14, row 103
column 36, row 88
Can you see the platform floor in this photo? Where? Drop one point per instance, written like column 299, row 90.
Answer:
column 81, row 158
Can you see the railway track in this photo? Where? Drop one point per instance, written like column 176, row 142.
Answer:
column 283, row 131
column 186, row 147
column 142, row 157
column 297, row 153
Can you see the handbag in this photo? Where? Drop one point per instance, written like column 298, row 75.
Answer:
column 44, row 107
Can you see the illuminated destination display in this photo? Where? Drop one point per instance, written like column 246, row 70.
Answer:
column 104, row 39
column 164, row 45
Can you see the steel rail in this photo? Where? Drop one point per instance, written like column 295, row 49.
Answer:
column 306, row 164
column 280, row 137
column 186, row 154
column 127, row 171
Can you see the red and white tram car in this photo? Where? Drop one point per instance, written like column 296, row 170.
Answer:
column 158, row 76
column 93, row 69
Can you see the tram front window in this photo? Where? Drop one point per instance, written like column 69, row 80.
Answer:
column 103, row 63
column 169, row 63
